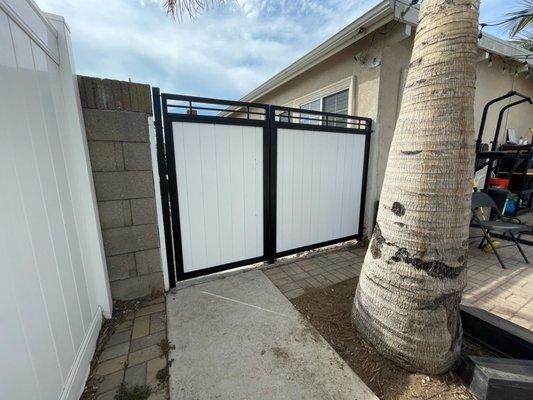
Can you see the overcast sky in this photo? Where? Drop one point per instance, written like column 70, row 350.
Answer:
column 223, row 53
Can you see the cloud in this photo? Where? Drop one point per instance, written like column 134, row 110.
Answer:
column 225, row 52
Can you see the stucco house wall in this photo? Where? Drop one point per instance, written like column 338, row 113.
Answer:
column 375, row 92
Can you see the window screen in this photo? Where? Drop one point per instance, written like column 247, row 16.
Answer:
column 336, row 103
column 312, row 119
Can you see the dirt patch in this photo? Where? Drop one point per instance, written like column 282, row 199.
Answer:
column 280, row 353
column 329, row 310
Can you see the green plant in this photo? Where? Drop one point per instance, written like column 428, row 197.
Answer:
column 162, row 375
column 135, row 393
column 165, row 346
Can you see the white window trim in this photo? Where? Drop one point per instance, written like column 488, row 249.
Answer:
column 319, row 99
column 343, row 84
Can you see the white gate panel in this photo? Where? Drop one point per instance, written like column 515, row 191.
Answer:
column 219, row 170
column 319, row 183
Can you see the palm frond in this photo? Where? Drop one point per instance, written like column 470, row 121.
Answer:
column 519, row 20
column 179, row 8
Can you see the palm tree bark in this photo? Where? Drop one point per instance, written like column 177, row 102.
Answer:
column 407, row 299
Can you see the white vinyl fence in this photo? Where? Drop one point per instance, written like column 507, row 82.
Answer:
column 53, row 283
column 319, row 183
column 220, row 168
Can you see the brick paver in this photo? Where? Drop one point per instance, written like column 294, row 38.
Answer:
column 316, row 271
column 132, row 354
column 507, row 293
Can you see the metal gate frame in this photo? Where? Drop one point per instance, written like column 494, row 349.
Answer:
column 295, row 118
column 271, row 121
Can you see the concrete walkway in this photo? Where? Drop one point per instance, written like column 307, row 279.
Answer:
column 240, row 338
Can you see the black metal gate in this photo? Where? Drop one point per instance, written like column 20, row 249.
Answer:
column 218, row 139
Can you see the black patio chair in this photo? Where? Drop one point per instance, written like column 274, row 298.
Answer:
column 498, row 223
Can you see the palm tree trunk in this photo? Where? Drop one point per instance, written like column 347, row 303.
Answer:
column 407, row 299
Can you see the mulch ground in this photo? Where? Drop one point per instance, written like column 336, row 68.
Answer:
column 329, row 310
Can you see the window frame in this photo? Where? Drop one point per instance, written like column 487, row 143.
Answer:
column 320, row 105
column 349, row 83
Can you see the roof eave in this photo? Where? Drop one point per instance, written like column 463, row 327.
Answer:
column 371, row 20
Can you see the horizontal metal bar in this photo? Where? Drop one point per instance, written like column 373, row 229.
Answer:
column 168, row 96
column 207, row 119
column 318, row 245
column 219, row 268
column 321, row 128
column 189, row 107
column 302, row 111
column 518, row 239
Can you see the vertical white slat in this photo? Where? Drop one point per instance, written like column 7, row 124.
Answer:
column 219, row 171
column 250, row 166
column 58, row 278
column 346, row 223
column 20, row 257
column 13, row 333
column 297, row 186
column 209, row 182
column 181, row 177
column 29, row 171
column 194, row 194
column 357, row 170
column 224, row 196
column 330, row 227
column 75, row 286
column 280, row 189
column 307, row 184
column 316, row 205
column 93, row 283
column 319, row 186
column 258, row 209
column 236, row 160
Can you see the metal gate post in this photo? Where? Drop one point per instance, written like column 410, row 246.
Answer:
column 163, row 184
column 273, row 168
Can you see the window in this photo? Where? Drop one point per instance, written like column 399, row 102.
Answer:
column 311, row 119
column 336, row 103
column 284, row 117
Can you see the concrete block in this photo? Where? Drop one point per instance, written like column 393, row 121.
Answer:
column 124, row 126
column 121, row 266
column 139, row 286
column 114, row 213
column 137, row 157
column 141, row 100
column 106, row 156
column 87, row 88
column 108, row 94
column 143, row 211
column 125, row 100
column 130, row 239
column 123, row 185
column 148, row 261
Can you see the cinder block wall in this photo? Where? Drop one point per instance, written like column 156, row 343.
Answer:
column 116, row 121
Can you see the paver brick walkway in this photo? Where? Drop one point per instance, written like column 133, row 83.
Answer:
column 132, row 354
column 507, row 293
